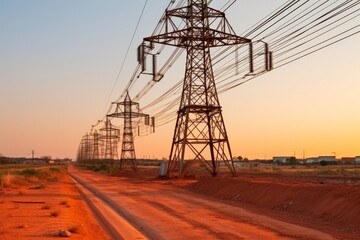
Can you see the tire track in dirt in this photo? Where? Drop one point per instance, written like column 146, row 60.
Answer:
column 168, row 212
column 226, row 211
column 121, row 212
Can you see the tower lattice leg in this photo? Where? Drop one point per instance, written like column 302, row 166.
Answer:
column 200, row 133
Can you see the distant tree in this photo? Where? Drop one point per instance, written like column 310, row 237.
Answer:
column 239, row 158
column 246, row 159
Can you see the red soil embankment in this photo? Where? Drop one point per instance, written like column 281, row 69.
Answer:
column 335, row 202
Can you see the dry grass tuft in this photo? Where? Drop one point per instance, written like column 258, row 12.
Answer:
column 64, row 202
column 6, row 180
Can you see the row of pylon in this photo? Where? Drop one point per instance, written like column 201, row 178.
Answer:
column 103, row 144
column 200, row 132
column 97, row 146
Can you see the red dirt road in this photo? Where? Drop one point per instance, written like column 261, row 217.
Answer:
column 161, row 210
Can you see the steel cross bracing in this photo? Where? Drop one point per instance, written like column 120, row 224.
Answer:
column 127, row 110
column 111, row 135
column 96, row 152
column 200, row 133
column 84, row 151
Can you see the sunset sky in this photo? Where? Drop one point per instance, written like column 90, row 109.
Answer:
column 59, row 61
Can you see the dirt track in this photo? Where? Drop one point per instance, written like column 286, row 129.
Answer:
column 161, row 210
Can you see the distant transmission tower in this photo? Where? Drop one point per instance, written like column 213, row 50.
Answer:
column 111, row 135
column 96, row 140
column 200, row 133
column 128, row 110
column 85, row 148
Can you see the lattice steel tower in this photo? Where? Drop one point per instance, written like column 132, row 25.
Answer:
column 128, row 110
column 95, row 152
column 111, row 135
column 200, row 133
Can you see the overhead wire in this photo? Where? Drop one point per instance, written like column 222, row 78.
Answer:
column 230, row 87
column 126, row 53
column 276, row 25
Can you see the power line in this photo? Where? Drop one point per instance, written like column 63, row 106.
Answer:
column 126, row 54
column 294, row 30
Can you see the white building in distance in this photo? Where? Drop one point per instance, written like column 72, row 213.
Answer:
column 320, row 158
column 312, row 160
column 282, row 159
column 327, row 158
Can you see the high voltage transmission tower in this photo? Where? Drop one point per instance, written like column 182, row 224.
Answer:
column 111, row 135
column 295, row 30
column 91, row 147
column 96, row 145
column 85, row 150
column 128, row 110
column 200, row 133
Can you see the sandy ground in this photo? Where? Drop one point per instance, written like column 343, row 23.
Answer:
column 250, row 206
column 24, row 221
column 330, row 204
column 245, row 207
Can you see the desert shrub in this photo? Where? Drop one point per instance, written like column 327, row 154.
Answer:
column 32, row 172
column 105, row 168
column 6, row 180
column 35, row 175
column 29, row 172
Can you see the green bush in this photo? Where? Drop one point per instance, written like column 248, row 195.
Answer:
column 103, row 168
column 28, row 172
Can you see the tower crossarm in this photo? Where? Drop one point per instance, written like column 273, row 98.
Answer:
column 183, row 38
column 200, row 24
column 187, row 12
column 200, row 134
column 128, row 110
column 127, row 114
